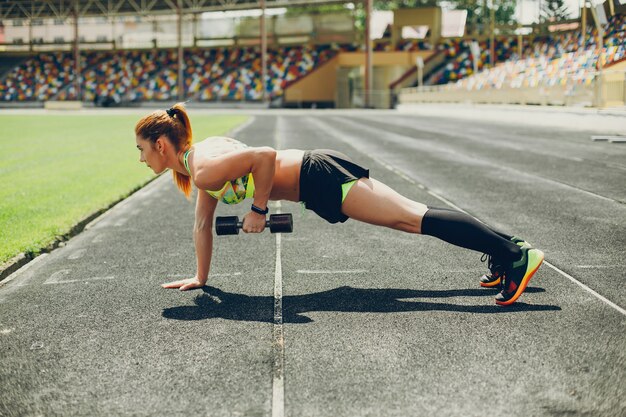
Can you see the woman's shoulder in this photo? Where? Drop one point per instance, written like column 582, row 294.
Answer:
column 221, row 141
column 218, row 145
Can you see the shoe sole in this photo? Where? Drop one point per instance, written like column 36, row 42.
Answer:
column 490, row 284
column 537, row 257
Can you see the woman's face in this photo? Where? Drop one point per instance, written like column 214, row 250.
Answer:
column 149, row 153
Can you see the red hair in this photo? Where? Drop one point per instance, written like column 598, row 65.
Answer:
column 175, row 126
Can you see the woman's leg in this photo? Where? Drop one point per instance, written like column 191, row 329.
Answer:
column 373, row 202
column 501, row 234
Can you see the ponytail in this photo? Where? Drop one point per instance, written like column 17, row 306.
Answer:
column 174, row 124
column 179, row 115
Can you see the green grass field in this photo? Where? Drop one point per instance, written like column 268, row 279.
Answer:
column 55, row 170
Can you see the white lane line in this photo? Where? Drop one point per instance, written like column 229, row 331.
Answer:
column 599, row 266
column 78, row 254
column 85, row 280
column 278, row 340
column 55, row 278
column 99, row 238
column 586, row 288
column 278, row 335
column 396, row 171
column 233, row 274
column 403, row 140
column 600, row 138
column 348, row 271
column 332, row 131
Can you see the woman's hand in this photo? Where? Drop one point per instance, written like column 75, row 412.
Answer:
column 253, row 223
column 185, row 284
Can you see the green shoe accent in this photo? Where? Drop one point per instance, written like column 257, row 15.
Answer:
column 518, row 275
column 520, row 242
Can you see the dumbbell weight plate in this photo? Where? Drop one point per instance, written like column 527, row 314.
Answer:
column 281, row 223
column 227, row 225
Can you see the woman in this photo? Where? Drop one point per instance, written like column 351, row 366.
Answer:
column 328, row 183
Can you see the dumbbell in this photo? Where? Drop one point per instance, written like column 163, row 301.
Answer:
column 230, row 225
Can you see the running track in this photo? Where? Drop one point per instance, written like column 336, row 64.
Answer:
column 349, row 319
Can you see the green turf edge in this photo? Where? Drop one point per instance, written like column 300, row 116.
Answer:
column 17, row 262
column 22, row 259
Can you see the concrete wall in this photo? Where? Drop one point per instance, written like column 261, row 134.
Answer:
column 320, row 85
column 323, row 84
column 400, row 58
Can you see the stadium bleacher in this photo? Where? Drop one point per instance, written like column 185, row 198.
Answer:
column 235, row 73
column 549, row 60
column 221, row 73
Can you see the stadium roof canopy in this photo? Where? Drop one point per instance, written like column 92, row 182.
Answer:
column 62, row 9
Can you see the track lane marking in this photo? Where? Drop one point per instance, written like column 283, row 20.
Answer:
column 278, row 342
column 77, row 254
column 586, row 288
column 85, row 280
column 278, row 335
column 227, row 274
column 56, row 278
column 333, row 132
column 352, row 271
column 403, row 139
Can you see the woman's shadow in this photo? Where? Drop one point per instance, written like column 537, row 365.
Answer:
column 215, row 303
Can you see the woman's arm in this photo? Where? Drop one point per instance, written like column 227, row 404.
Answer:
column 203, row 240
column 212, row 173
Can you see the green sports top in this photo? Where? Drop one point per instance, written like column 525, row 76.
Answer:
column 233, row 192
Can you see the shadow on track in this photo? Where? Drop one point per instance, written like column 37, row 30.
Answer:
column 215, row 303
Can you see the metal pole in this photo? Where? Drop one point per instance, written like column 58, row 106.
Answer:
column 263, row 54
column 30, row 34
column 76, row 55
column 113, row 37
column 195, row 29
column 368, row 53
column 181, row 84
column 520, row 40
column 155, row 30
column 492, row 49
column 583, row 24
column 483, row 18
column 600, row 78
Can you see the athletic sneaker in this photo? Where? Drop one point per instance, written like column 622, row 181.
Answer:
column 497, row 270
column 518, row 274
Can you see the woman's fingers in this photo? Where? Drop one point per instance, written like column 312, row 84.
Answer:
column 173, row 284
column 177, row 284
column 183, row 285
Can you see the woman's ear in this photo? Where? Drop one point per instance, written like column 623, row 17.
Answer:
column 160, row 145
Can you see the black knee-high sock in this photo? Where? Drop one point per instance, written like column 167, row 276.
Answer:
column 504, row 235
column 465, row 231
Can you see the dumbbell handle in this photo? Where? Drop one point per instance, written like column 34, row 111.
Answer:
column 240, row 224
column 277, row 223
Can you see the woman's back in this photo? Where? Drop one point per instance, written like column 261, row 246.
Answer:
column 217, row 145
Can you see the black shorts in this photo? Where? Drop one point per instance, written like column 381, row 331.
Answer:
column 321, row 176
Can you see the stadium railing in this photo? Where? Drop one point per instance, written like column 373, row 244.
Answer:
column 607, row 89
